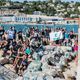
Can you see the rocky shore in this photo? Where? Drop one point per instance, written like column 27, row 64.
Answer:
column 52, row 64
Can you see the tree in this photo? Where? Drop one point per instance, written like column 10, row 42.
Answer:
column 2, row 2
column 50, row 1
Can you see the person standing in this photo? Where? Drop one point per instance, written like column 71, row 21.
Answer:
column 20, row 37
column 10, row 34
column 14, row 33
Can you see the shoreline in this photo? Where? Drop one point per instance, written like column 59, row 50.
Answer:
column 35, row 23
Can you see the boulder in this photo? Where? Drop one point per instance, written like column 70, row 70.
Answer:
column 34, row 66
column 35, row 56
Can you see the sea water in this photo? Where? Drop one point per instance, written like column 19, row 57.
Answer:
column 24, row 27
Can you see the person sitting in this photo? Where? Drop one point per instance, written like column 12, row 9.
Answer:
column 18, row 59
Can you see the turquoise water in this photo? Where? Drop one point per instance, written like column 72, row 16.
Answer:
column 23, row 27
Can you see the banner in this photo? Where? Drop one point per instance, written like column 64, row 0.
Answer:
column 56, row 36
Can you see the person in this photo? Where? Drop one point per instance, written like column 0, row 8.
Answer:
column 28, row 34
column 20, row 37
column 23, row 65
column 10, row 34
column 71, row 35
column 28, row 51
column 18, row 59
column 14, row 37
column 1, row 32
column 75, row 46
column 42, row 32
column 66, row 35
column 20, row 52
column 63, row 34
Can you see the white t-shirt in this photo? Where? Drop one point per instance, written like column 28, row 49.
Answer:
column 60, row 35
column 10, row 34
column 51, row 36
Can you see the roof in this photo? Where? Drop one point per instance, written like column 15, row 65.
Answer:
column 71, row 18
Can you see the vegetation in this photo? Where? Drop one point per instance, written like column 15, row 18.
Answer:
column 46, row 7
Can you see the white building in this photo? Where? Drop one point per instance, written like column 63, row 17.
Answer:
column 79, row 8
column 55, row 1
column 7, row 18
column 29, row 18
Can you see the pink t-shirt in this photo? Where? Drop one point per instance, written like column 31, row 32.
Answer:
column 75, row 48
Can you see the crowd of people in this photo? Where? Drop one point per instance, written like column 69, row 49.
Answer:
column 18, row 49
column 64, row 38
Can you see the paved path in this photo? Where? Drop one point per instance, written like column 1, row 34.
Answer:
column 7, row 74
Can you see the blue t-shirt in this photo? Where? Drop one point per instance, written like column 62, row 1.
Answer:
column 66, row 35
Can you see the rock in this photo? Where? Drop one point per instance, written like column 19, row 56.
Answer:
column 69, row 49
column 35, row 56
column 46, row 52
column 45, row 58
column 34, row 66
column 58, row 79
column 48, row 64
column 73, row 54
column 48, row 77
column 40, row 77
column 41, row 53
column 44, row 76
column 19, row 78
column 62, row 61
column 27, row 76
column 51, row 61
column 45, row 67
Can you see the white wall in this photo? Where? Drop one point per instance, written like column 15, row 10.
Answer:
column 7, row 18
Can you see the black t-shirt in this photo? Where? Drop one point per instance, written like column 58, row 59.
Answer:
column 43, row 33
column 20, row 35
column 72, row 36
column 15, row 32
